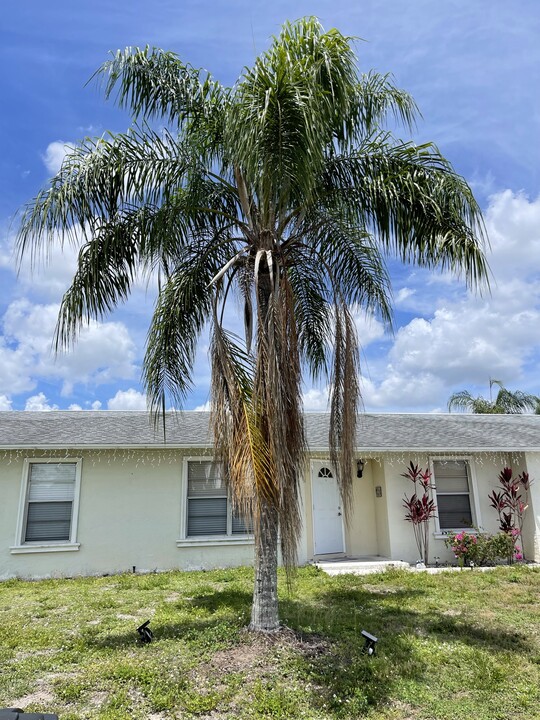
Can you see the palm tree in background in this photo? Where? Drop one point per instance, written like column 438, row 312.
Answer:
column 284, row 192
column 506, row 401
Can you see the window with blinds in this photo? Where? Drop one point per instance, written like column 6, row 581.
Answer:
column 49, row 506
column 453, row 494
column 209, row 510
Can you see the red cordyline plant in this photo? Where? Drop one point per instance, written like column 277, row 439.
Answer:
column 420, row 507
column 511, row 502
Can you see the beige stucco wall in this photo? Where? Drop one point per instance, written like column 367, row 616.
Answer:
column 361, row 536
column 485, row 467
column 130, row 514
column 132, row 504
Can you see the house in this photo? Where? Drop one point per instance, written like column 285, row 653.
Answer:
column 102, row 492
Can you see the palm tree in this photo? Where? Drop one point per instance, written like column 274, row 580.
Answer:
column 506, row 402
column 283, row 191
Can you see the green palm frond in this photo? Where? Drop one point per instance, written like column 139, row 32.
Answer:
column 516, row 402
column 106, row 268
column 97, row 180
column 416, row 205
column 350, row 257
column 313, row 312
column 507, row 402
column 182, row 309
column 378, row 97
column 155, row 84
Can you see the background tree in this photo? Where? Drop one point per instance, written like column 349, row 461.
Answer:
column 506, row 401
column 283, row 191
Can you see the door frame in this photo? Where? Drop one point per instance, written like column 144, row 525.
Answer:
column 325, row 463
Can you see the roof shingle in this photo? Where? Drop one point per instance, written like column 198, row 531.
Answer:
column 376, row 432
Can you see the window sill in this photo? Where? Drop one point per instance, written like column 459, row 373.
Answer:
column 215, row 541
column 444, row 534
column 27, row 549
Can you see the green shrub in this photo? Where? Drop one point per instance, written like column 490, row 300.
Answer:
column 479, row 548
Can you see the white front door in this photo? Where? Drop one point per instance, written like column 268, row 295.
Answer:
column 327, row 513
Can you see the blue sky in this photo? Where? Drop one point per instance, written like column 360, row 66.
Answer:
column 472, row 67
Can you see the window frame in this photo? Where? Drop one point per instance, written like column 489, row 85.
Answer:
column 28, row 546
column 473, row 492
column 193, row 540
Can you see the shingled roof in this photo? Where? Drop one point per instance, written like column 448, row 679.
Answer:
column 376, row 432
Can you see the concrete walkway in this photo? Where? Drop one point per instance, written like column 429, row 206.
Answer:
column 376, row 563
column 360, row 565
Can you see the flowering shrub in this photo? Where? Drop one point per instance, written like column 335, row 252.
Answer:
column 480, row 548
column 463, row 545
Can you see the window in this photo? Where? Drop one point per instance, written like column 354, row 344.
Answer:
column 453, row 494
column 209, row 509
column 49, row 504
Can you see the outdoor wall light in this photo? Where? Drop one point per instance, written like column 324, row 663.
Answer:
column 145, row 634
column 359, row 468
column 371, row 641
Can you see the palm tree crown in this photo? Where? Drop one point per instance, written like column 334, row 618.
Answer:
column 283, row 191
column 506, row 402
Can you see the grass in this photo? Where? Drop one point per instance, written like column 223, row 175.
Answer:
column 451, row 646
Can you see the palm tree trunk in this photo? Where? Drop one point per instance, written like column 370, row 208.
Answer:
column 264, row 610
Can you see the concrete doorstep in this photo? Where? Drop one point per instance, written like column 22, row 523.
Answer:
column 359, row 566
column 375, row 564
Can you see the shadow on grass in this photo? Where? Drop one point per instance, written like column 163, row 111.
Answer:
column 325, row 651
column 224, row 612
column 382, row 614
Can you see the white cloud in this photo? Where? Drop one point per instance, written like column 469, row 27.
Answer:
column 403, row 294
column 206, row 407
column 74, row 406
column 103, row 353
column 316, row 400
column 127, row 400
column 513, row 226
column 470, row 338
column 47, row 275
column 5, row 403
column 55, row 154
column 39, row 403
column 401, row 391
column 368, row 328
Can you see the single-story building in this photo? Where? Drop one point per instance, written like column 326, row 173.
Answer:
column 102, row 492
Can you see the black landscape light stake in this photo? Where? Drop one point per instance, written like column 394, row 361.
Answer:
column 18, row 714
column 145, row 634
column 371, row 641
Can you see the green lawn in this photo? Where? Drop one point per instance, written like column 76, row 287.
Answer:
column 452, row 646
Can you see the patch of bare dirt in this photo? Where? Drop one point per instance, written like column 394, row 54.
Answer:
column 255, row 656
column 43, row 698
column 98, row 698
